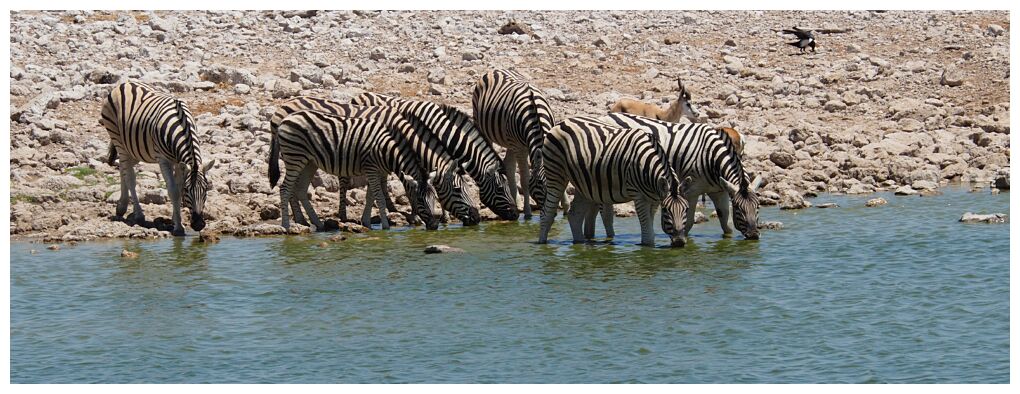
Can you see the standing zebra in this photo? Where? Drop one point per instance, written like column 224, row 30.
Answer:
column 465, row 142
column 610, row 165
column 514, row 114
column 346, row 147
column 154, row 127
column 711, row 158
column 448, row 180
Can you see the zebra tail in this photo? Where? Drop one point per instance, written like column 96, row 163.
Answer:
column 274, row 160
column 113, row 155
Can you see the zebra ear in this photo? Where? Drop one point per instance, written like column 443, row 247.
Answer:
column 731, row 187
column 208, row 166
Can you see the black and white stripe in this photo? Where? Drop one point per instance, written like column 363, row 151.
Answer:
column 149, row 126
column 464, row 142
column 449, row 176
column 348, row 147
column 709, row 157
column 515, row 114
column 610, row 165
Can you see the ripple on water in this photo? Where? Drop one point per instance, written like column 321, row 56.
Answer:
column 900, row 293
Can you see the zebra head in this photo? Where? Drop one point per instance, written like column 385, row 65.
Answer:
column 745, row 205
column 423, row 198
column 454, row 196
column 196, row 186
column 674, row 209
column 494, row 190
column 686, row 108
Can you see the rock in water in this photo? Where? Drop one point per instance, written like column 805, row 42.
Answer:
column 828, row 205
column 969, row 217
column 773, row 225
column 127, row 254
column 905, row 191
column 337, row 238
column 874, row 202
column 53, row 247
column 208, row 237
column 442, row 249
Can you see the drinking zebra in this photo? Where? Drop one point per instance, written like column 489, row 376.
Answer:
column 448, row 177
column 514, row 114
column 712, row 160
column 347, row 147
column 464, row 142
column 609, row 165
column 149, row 126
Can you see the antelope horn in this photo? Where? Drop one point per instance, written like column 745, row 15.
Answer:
column 755, row 183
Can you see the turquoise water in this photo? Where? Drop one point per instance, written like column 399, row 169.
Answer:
column 900, row 293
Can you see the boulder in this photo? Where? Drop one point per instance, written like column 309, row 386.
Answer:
column 791, row 199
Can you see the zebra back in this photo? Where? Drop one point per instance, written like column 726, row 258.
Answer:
column 512, row 112
column 146, row 124
column 454, row 128
column 694, row 149
column 605, row 162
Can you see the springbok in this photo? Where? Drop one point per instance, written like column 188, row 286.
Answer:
column 681, row 107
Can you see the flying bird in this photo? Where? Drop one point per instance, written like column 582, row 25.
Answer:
column 805, row 38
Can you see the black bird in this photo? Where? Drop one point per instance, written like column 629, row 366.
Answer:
column 805, row 38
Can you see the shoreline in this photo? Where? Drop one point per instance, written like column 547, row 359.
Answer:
column 891, row 99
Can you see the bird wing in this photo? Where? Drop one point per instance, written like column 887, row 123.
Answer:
column 801, row 34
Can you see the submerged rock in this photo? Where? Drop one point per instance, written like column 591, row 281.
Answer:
column 772, row 225
column 127, row 254
column 209, row 236
column 442, row 249
column 969, row 217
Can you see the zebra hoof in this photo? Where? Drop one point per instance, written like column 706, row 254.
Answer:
column 178, row 232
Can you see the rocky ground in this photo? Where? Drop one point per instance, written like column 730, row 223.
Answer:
column 897, row 100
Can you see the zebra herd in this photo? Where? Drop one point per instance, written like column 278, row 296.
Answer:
column 434, row 148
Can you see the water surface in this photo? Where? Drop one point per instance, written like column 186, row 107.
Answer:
column 899, row 293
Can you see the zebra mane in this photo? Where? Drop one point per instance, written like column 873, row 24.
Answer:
column 731, row 149
column 188, row 137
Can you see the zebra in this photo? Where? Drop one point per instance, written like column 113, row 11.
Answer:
column 515, row 114
column 610, row 165
column 711, row 158
column 308, row 140
column 465, row 142
column 448, row 180
column 149, row 126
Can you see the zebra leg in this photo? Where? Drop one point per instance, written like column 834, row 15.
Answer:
column 721, row 200
column 549, row 209
column 295, row 206
column 125, row 175
column 692, row 204
column 301, row 195
column 137, row 215
column 576, row 215
column 646, row 215
column 525, row 169
column 173, row 188
column 287, row 190
column 381, row 199
column 589, row 219
column 370, row 197
column 344, row 185
column 510, row 167
column 607, row 220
